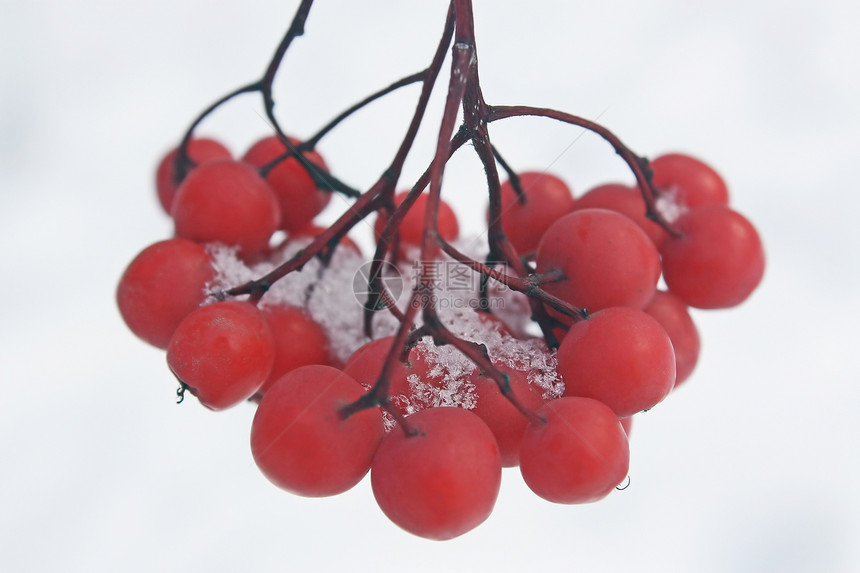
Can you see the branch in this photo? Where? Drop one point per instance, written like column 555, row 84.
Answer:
column 638, row 165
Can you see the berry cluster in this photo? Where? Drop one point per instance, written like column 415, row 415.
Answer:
column 534, row 351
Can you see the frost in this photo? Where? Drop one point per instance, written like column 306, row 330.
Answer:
column 326, row 293
column 454, row 392
column 668, row 206
column 229, row 270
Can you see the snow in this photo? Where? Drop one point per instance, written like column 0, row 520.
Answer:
column 327, row 293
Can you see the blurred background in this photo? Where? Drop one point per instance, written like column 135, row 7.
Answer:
column 751, row 466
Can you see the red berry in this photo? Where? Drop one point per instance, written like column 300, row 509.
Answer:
column 625, row 200
column 226, row 201
column 223, row 352
column 299, row 341
column 688, row 181
column 718, row 260
column 299, row 198
column 606, row 259
column 506, row 422
column 411, row 228
column 365, row 365
column 578, row 455
column 441, row 482
column 164, row 283
column 311, row 231
column 620, row 356
column 547, row 198
column 301, row 442
column 674, row 316
column 200, row 150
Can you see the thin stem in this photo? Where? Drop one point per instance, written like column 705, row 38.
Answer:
column 637, row 164
column 296, row 29
column 312, row 141
column 479, row 355
column 513, row 178
column 369, row 201
column 389, row 237
column 530, row 285
column 182, row 163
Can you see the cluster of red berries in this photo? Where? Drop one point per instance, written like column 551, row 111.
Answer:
column 435, row 442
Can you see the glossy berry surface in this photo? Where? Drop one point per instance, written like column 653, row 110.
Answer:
column 299, row 340
column 506, row 422
column 365, row 365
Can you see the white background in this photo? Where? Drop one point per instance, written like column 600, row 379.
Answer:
column 753, row 464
